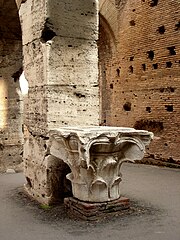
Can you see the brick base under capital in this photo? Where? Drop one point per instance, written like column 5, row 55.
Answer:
column 94, row 211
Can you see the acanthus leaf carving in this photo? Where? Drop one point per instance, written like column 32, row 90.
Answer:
column 95, row 156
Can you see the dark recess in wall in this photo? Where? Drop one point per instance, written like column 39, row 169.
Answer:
column 155, row 66
column 132, row 58
column 132, row 23
column 177, row 26
column 168, row 64
column 153, row 3
column 47, row 34
column 144, row 67
column 169, row 108
column 111, row 86
column 172, row 50
column 161, row 29
column 150, row 55
column 131, row 69
column 118, row 72
column 127, row 106
column 150, row 125
column 148, row 109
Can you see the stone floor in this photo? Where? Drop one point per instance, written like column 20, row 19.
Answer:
column 154, row 214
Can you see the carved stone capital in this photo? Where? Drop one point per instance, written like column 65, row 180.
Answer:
column 95, row 156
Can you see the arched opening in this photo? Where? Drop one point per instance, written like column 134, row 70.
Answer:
column 11, row 136
column 106, row 50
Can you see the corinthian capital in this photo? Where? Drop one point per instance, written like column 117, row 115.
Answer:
column 95, row 156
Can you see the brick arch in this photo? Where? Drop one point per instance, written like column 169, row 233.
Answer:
column 107, row 43
column 103, row 24
column 109, row 12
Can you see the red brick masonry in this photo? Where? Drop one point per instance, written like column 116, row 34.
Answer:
column 94, row 211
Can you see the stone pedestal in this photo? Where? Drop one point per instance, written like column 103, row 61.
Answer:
column 95, row 156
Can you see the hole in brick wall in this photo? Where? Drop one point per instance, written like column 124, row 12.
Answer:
column 17, row 74
column 161, row 29
column 177, row 26
column 148, row 109
column 172, row 50
column 169, row 108
column 132, row 58
column 171, row 160
column 117, row 3
column 150, row 55
column 153, row 3
column 69, row 45
column 118, row 72
column 144, row 67
column 127, row 106
column 155, row 66
column 79, row 95
column 161, row 90
column 131, row 69
column 150, row 125
column 132, row 23
column 29, row 182
column 111, row 86
column 172, row 89
column 134, row 10
column 168, row 89
column 47, row 34
column 1, row 146
column 168, row 64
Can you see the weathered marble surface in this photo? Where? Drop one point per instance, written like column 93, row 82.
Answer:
column 95, row 156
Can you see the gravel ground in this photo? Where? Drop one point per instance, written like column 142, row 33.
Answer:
column 154, row 193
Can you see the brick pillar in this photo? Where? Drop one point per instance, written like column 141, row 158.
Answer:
column 61, row 66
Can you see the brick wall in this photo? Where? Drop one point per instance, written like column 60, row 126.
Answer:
column 142, row 77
